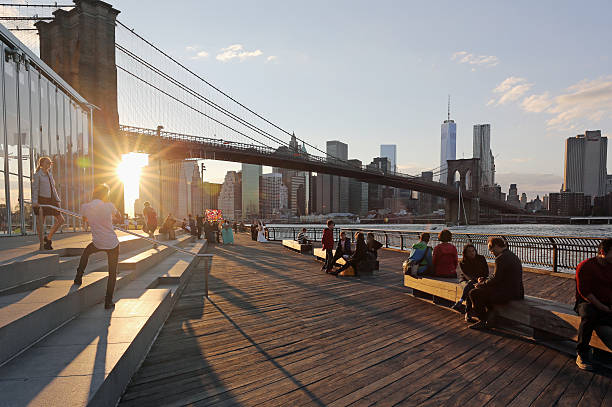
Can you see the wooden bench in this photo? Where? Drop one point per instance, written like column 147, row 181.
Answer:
column 539, row 318
column 295, row 245
column 320, row 255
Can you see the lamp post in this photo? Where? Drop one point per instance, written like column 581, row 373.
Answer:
column 159, row 168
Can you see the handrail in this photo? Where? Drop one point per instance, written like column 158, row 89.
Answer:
column 556, row 253
column 154, row 241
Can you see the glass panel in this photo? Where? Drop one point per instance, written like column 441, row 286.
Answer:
column 3, row 211
column 61, row 149
column 74, row 168
column 68, row 190
column 87, row 158
column 12, row 137
column 31, row 154
column 45, row 149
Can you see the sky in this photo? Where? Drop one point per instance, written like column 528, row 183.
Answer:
column 370, row 73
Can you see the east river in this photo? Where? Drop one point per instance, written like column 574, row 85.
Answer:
column 596, row 231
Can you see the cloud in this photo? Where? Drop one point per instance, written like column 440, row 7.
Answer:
column 509, row 90
column 579, row 106
column 587, row 101
column 463, row 57
column 200, row 55
column 237, row 51
column 537, row 103
column 272, row 58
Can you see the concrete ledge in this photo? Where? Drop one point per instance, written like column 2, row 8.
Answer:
column 542, row 319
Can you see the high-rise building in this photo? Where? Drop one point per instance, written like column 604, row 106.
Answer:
column 523, row 200
column 159, row 185
column 297, row 195
column 338, row 186
column 273, row 194
column 448, row 145
column 513, row 196
column 189, row 172
column 482, row 150
column 358, row 194
column 586, row 164
column 210, row 195
column 377, row 193
column 390, row 151
column 230, row 197
column 569, row 204
column 251, row 173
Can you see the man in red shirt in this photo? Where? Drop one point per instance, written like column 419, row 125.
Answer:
column 328, row 246
column 594, row 302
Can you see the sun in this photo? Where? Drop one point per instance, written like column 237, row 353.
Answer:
column 128, row 171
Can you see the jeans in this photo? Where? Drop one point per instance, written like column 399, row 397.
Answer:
column 467, row 287
column 484, row 298
column 329, row 259
column 592, row 319
column 113, row 258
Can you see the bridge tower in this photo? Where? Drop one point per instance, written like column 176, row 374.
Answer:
column 79, row 45
column 466, row 174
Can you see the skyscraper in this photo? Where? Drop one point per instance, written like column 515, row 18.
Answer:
column 482, row 150
column 338, row 186
column 448, row 144
column 390, row 151
column 358, row 194
column 513, row 197
column 586, row 164
column 250, row 190
column 230, row 197
column 273, row 194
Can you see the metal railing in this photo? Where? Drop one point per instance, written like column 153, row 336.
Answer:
column 555, row 253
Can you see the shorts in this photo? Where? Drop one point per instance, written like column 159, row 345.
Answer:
column 47, row 211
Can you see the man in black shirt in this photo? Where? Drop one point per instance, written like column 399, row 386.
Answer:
column 505, row 285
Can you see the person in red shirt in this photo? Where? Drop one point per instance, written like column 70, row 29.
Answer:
column 328, row 246
column 594, row 302
column 445, row 260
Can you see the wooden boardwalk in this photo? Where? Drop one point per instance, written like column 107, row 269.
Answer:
column 279, row 332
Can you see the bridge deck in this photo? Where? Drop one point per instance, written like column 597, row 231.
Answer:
column 277, row 331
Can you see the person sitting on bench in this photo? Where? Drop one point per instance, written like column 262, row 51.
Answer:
column 168, row 227
column 343, row 249
column 358, row 257
column 445, row 259
column 420, row 259
column 505, row 285
column 373, row 246
column 594, row 302
column 473, row 266
column 302, row 237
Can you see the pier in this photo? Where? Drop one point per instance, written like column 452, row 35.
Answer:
column 278, row 331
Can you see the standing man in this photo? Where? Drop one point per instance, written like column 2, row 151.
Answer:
column 99, row 213
column 150, row 220
column 328, row 245
column 594, row 302
column 505, row 285
column 199, row 225
column 44, row 193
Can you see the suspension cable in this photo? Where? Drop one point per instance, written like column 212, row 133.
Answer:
column 190, row 107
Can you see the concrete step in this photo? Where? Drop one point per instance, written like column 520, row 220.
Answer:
column 27, row 316
column 91, row 359
column 25, row 272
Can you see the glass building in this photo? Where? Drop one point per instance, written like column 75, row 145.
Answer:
column 41, row 116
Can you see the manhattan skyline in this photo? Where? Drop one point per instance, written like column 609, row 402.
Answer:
column 537, row 72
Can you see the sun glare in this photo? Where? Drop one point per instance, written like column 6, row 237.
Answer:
column 128, row 171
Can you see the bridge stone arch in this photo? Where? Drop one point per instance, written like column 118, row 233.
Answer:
column 465, row 174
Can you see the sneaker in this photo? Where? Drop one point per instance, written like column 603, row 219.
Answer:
column 584, row 363
column 469, row 319
column 78, row 280
column 479, row 325
column 109, row 305
column 48, row 244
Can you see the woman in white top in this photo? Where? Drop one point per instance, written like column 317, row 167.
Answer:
column 45, row 193
column 261, row 233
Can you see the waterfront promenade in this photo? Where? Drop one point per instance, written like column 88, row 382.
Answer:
column 278, row 331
